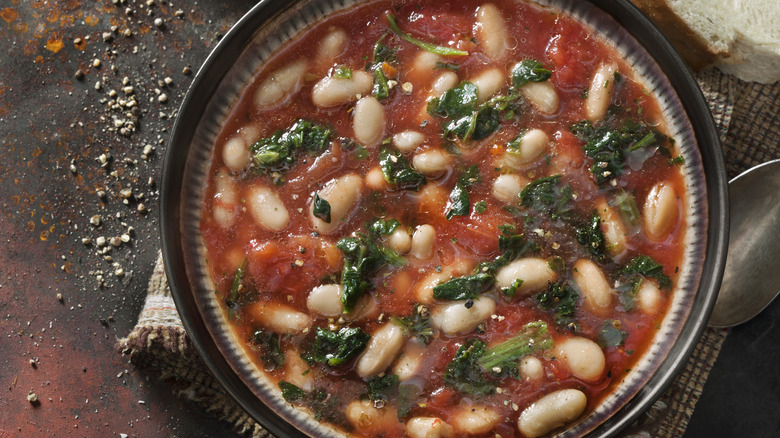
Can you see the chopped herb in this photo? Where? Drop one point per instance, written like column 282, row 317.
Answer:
column 626, row 207
column 590, row 236
column 439, row 50
column 609, row 145
column 547, row 195
column 513, row 246
column 417, row 324
column 510, row 291
column 463, row 288
column 502, row 359
column 560, row 298
column 465, row 374
column 382, row 227
column 557, row 264
column 321, row 208
column 362, row 259
column 290, row 392
column 342, row 72
column 324, row 405
column 527, row 71
column 480, row 207
column 336, row 348
column 270, row 349
column 647, row 267
column 446, row 66
column 280, row 151
column 408, row 394
column 610, row 335
column 238, row 279
column 678, row 160
column 397, row 170
column 382, row 387
column 459, row 202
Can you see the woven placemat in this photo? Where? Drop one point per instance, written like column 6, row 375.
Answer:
column 748, row 119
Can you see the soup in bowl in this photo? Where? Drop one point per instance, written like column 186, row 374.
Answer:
column 406, row 218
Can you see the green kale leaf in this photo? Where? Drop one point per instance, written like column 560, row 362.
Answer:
column 527, row 71
column 463, row 288
column 397, row 170
column 590, row 236
column 321, row 208
column 336, row 348
column 502, row 359
column 548, row 195
column 465, row 374
column 382, row 227
column 280, row 151
column 561, row 299
column 363, row 257
column 418, row 324
column 270, row 349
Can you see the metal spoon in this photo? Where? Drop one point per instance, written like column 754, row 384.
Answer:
column 752, row 277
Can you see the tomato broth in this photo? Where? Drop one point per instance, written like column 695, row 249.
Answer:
column 583, row 214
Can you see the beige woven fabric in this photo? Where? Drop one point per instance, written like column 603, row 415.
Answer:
column 748, row 119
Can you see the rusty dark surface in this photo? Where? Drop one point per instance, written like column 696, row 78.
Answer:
column 64, row 351
column 49, row 120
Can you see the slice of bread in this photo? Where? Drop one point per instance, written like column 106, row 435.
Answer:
column 741, row 37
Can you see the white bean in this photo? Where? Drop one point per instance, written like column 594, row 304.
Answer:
column 267, row 208
column 342, row 194
column 375, row 179
column 422, row 241
column 235, row 154
column 400, row 241
column 507, row 187
column 531, row 368
column 366, row 418
column 648, row 297
column 331, row 91
column 488, row 83
column 408, row 141
column 368, row 120
column 325, row 300
column 428, row 427
column 280, row 84
column 551, row 412
column 250, row 134
column 384, row 346
column 542, row 96
column 534, row 272
column 408, row 364
column 331, row 46
column 432, row 162
column 612, row 227
column 594, row 286
column 423, row 290
column 600, row 92
column 474, row 419
column 443, row 82
column 582, row 356
column 280, row 318
column 490, row 31
column 531, row 145
column 660, row 211
column 296, row 370
column 225, row 199
column 425, row 62
column 456, row 318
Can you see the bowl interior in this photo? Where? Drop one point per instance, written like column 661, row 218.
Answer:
column 268, row 26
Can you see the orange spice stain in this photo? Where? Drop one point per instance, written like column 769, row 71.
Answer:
column 16, row 199
column 81, row 45
column 40, row 29
column 44, row 221
column 54, row 44
column 31, row 47
column 20, row 27
column 37, row 151
column 30, row 226
column 91, row 20
column 38, row 59
column 53, row 15
column 67, row 20
column 45, row 235
column 9, row 14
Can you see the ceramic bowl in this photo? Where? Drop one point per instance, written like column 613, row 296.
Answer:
column 269, row 25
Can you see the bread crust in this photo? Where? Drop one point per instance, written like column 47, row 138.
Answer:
column 695, row 49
